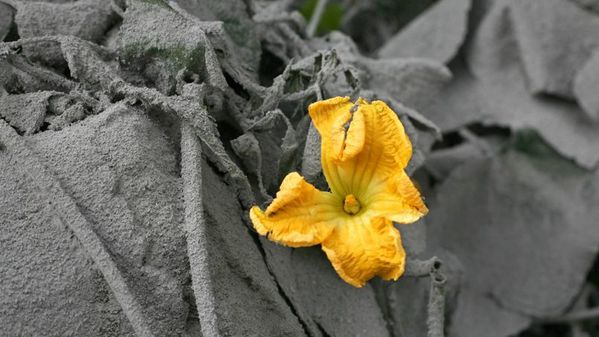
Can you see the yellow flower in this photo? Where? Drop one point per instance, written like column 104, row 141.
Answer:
column 364, row 152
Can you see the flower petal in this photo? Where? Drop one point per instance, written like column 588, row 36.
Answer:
column 395, row 138
column 396, row 199
column 361, row 250
column 348, row 134
column 373, row 148
column 300, row 215
column 329, row 117
column 324, row 113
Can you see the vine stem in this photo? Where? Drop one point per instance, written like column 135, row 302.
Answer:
column 581, row 315
column 436, row 306
column 436, row 302
column 315, row 19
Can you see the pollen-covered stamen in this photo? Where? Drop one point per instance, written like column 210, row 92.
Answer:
column 351, row 205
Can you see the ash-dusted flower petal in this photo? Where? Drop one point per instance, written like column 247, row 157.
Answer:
column 299, row 216
column 396, row 199
column 360, row 250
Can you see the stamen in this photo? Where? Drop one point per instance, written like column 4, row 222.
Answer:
column 351, row 205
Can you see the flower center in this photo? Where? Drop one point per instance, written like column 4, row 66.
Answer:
column 351, row 205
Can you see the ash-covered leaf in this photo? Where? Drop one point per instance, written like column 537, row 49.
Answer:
column 327, row 305
column 585, row 87
column 592, row 5
column 18, row 75
column 496, row 61
column 436, row 34
column 440, row 163
column 405, row 301
column 460, row 102
column 384, row 18
column 280, row 30
column 47, row 278
column 88, row 63
column 92, row 65
column 161, row 54
column 555, row 38
column 267, row 150
column 191, row 109
column 119, row 169
column 237, row 23
column 241, row 297
column 523, row 224
column 86, row 19
column 65, row 109
column 26, row 112
column 479, row 314
column 412, row 81
column 6, row 19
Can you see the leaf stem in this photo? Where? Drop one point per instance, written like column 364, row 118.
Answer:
column 581, row 315
column 436, row 305
column 435, row 321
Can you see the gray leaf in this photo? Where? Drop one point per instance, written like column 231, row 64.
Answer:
column 87, row 19
column 585, row 87
column 326, row 302
column 495, row 60
column 436, row 34
column 555, row 38
column 26, row 112
column 6, row 20
column 459, row 103
column 236, row 293
column 111, row 248
column 523, row 224
column 236, row 22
